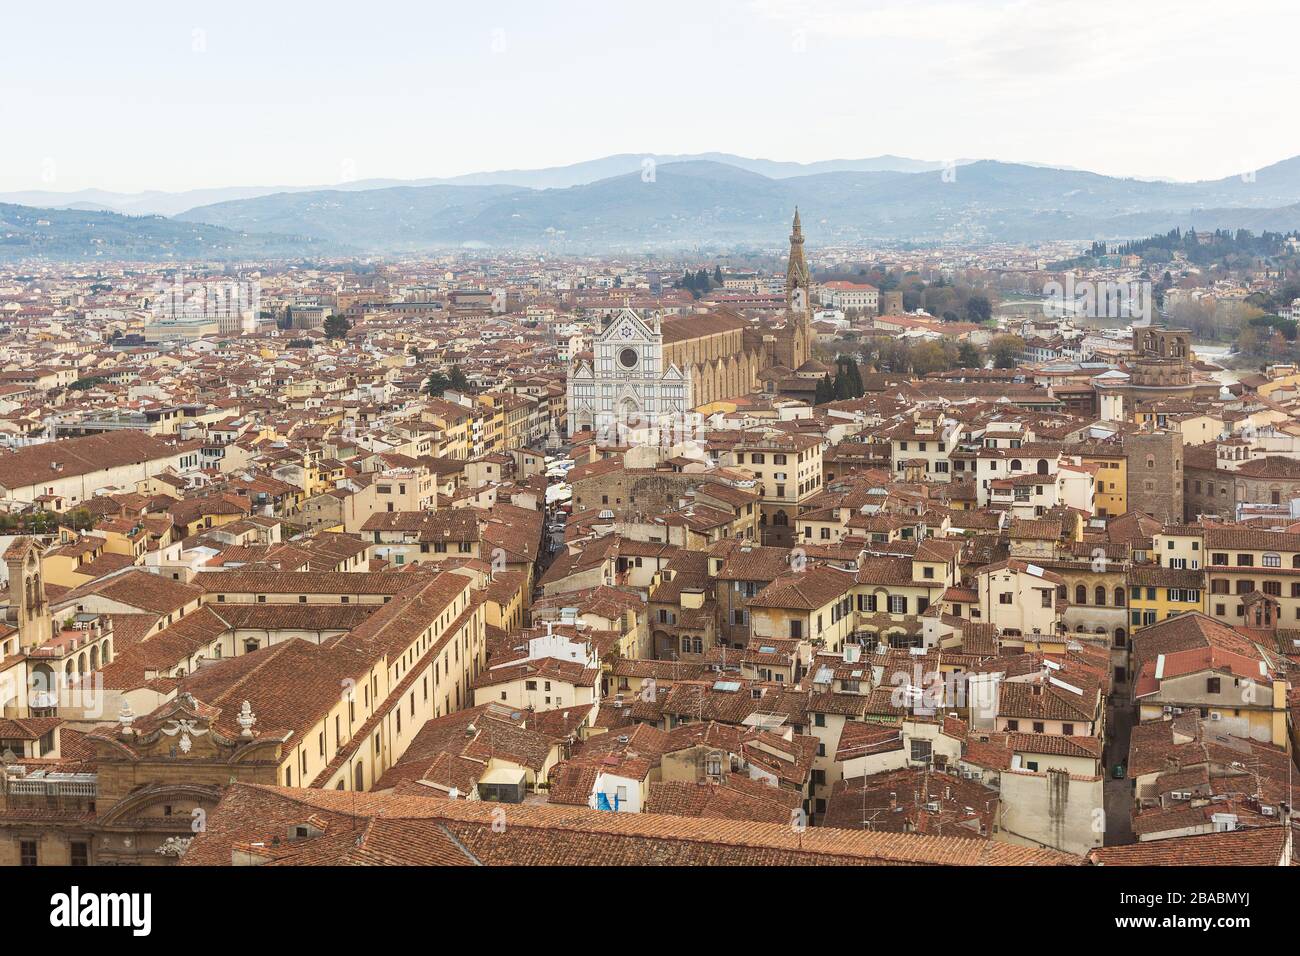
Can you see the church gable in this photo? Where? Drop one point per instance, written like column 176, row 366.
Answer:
column 628, row 326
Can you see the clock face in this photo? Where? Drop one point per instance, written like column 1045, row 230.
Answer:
column 627, row 358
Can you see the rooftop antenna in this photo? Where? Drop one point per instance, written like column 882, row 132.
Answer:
column 866, row 824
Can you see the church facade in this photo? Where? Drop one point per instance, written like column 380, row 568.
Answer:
column 647, row 371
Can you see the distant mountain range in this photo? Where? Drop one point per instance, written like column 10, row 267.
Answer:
column 623, row 203
column 158, row 203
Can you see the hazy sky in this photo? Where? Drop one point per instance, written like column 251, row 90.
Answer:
column 182, row 95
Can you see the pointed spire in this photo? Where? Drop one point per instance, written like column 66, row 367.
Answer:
column 796, row 274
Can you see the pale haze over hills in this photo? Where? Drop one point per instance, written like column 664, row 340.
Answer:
column 641, row 202
column 159, row 202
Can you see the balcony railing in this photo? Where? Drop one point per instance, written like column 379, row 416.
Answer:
column 72, row 785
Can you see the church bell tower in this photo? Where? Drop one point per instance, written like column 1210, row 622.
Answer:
column 798, row 302
column 798, row 282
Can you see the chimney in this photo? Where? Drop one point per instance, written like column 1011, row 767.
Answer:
column 248, row 854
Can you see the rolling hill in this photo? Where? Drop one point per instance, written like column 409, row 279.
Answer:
column 702, row 201
column 161, row 203
column 684, row 204
column 74, row 234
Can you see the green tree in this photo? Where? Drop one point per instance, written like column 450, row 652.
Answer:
column 1006, row 350
column 825, row 391
column 336, row 326
column 436, row 384
column 978, row 309
column 843, row 387
column 968, row 356
column 929, row 357
column 896, row 355
column 80, row 519
column 855, row 377
column 690, row 282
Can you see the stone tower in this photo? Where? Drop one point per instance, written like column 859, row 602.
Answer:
column 29, row 611
column 1155, row 474
column 798, row 282
column 794, row 345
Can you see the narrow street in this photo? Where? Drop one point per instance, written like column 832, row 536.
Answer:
column 1117, row 795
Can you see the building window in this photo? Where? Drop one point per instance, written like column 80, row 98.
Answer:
column 79, row 853
column 27, row 852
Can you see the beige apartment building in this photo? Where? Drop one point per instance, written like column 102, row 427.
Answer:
column 787, row 470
